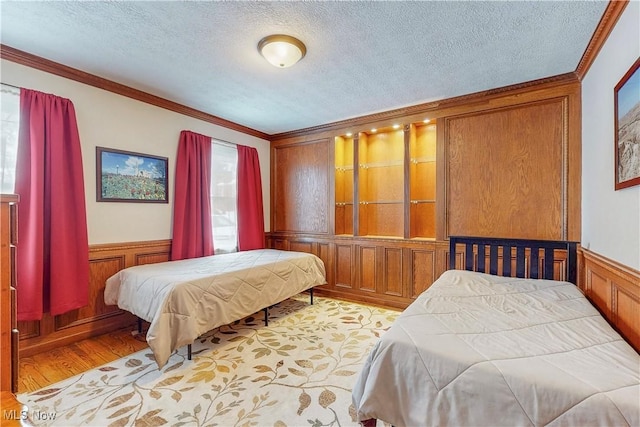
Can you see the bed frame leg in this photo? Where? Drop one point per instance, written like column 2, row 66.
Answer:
column 266, row 316
column 188, row 351
column 311, row 295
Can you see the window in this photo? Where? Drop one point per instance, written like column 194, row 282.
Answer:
column 224, row 206
column 10, row 111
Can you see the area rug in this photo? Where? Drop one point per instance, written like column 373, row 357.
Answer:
column 298, row 371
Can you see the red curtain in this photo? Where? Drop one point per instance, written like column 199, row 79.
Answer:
column 192, row 235
column 250, row 213
column 53, row 248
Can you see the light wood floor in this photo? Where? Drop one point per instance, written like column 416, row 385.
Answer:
column 47, row 368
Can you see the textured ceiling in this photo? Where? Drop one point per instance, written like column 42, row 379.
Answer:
column 362, row 57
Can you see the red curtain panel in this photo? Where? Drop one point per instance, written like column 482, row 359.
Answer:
column 192, row 235
column 53, row 253
column 250, row 213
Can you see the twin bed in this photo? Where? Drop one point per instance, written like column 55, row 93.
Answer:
column 184, row 299
column 478, row 349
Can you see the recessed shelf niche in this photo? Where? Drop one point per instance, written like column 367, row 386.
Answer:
column 422, row 178
column 344, row 185
column 385, row 182
column 381, row 183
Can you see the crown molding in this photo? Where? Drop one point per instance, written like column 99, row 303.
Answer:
column 46, row 65
column 482, row 96
column 608, row 21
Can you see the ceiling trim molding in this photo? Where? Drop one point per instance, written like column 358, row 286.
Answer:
column 608, row 21
column 483, row 96
column 46, row 65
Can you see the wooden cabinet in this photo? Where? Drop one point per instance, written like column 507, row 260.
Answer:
column 8, row 320
column 385, row 182
column 504, row 163
column 300, row 187
column 508, row 172
column 385, row 271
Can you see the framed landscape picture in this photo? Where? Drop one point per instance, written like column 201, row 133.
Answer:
column 627, row 128
column 123, row 176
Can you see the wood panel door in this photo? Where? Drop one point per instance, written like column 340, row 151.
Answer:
column 422, row 274
column 302, row 188
column 344, row 266
column 507, row 172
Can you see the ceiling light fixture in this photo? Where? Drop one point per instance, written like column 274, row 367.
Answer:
column 281, row 50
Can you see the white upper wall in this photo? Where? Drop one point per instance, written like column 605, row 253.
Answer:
column 610, row 219
column 106, row 119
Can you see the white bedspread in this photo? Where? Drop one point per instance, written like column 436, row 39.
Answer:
column 481, row 350
column 184, row 299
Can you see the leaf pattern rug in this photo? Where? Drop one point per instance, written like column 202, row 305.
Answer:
column 298, row 371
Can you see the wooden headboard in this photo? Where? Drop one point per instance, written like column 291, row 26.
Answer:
column 527, row 256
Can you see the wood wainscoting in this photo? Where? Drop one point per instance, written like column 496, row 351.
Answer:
column 385, row 272
column 615, row 290
column 382, row 271
column 97, row 318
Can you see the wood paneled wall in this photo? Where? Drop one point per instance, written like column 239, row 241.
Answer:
column 615, row 290
column 96, row 318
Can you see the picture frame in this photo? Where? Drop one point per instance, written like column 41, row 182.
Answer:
column 627, row 129
column 125, row 176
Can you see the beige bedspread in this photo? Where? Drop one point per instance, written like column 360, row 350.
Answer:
column 481, row 350
column 184, row 299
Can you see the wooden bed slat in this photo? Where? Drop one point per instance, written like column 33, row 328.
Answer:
column 468, row 259
column 535, row 263
column 506, row 260
column 477, row 245
column 548, row 263
column 520, row 262
column 493, row 259
column 481, row 259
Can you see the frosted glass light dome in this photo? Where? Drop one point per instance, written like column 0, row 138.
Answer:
column 282, row 51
